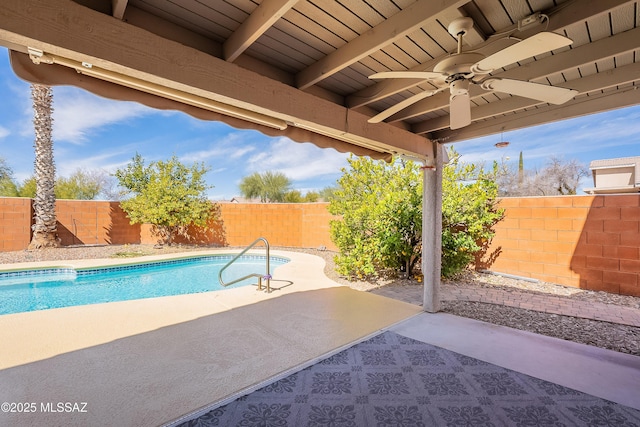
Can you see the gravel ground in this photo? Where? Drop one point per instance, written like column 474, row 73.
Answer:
column 625, row 339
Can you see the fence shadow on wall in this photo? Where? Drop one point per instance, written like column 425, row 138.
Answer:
column 66, row 236
column 119, row 230
column 212, row 235
column 607, row 254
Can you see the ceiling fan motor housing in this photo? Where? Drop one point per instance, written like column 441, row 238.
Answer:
column 458, row 64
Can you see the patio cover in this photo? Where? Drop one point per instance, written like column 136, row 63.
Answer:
column 56, row 75
column 306, row 65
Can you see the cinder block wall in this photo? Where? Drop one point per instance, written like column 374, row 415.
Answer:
column 590, row 242
column 304, row 225
column 94, row 222
column 15, row 223
column 99, row 222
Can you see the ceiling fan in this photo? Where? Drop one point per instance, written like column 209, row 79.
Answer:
column 460, row 69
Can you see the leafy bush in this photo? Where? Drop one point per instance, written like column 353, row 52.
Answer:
column 380, row 206
column 468, row 212
column 381, row 223
column 166, row 194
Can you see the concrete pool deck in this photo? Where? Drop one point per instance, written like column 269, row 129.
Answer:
column 148, row 362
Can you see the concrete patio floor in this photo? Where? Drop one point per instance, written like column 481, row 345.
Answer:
column 149, row 362
column 603, row 373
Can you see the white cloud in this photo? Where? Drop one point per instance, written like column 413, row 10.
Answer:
column 232, row 147
column 78, row 113
column 4, row 132
column 108, row 162
column 298, row 161
column 216, row 152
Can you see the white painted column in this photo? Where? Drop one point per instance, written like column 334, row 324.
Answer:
column 432, row 229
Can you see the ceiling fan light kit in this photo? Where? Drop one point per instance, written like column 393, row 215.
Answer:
column 460, row 69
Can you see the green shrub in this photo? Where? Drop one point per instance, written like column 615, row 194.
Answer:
column 166, row 194
column 468, row 212
column 381, row 225
column 380, row 205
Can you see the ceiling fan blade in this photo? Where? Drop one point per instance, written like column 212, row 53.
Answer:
column 545, row 93
column 535, row 45
column 402, row 105
column 459, row 111
column 424, row 75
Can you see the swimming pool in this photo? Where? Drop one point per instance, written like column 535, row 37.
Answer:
column 31, row 290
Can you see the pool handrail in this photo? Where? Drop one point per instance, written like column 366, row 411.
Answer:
column 266, row 277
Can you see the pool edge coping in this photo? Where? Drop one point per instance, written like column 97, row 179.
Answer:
column 85, row 264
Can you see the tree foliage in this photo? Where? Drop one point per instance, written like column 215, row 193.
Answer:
column 8, row 186
column 5, row 170
column 295, row 196
column 311, row 197
column 274, row 187
column 469, row 212
column 269, row 186
column 380, row 205
column 327, row 193
column 558, row 177
column 28, row 188
column 167, row 194
column 81, row 185
column 381, row 225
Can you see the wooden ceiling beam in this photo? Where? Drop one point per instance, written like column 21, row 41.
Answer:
column 118, row 8
column 262, row 18
column 408, row 20
column 560, row 17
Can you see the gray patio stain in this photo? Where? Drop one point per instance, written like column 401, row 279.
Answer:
column 392, row 380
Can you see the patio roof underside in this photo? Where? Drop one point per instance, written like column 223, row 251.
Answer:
column 300, row 68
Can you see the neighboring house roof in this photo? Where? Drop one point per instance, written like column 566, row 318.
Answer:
column 621, row 175
column 243, row 200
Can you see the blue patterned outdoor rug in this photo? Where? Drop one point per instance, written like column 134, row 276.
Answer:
column 391, row 380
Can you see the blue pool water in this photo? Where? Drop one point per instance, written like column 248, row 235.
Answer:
column 62, row 287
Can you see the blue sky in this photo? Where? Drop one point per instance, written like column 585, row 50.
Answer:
column 95, row 133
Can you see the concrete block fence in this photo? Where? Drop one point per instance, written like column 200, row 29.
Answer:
column 588, row 242
column 102, row 222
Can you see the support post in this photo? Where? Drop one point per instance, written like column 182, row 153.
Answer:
column 432, row 230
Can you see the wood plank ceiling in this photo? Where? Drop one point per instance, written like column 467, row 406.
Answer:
column 321, row 52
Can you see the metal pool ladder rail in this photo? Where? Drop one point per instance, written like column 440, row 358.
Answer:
column 266, row 277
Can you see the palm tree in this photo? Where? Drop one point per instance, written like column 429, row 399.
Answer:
column 45, row 232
